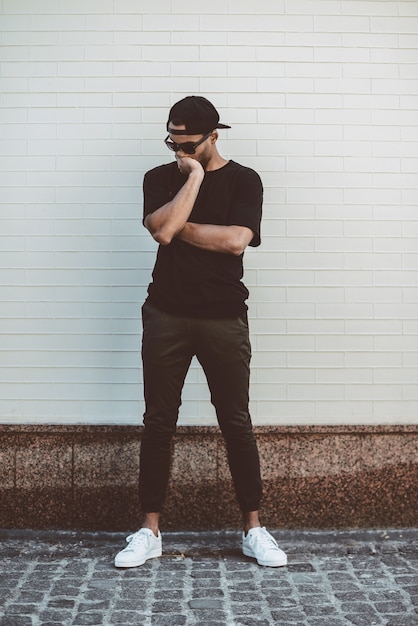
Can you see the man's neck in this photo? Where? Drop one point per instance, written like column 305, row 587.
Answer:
column 216, row 163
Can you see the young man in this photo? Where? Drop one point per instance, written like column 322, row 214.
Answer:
column 204, row 211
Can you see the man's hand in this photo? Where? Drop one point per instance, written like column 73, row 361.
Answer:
column 187, row 165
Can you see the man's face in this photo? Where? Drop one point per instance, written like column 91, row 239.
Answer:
column 202, row 153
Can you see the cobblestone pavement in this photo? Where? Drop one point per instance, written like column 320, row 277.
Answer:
column 363, row 578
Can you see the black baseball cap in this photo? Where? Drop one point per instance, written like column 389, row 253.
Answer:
column 197, row 114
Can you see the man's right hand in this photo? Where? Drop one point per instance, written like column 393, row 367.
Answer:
column 187, row 165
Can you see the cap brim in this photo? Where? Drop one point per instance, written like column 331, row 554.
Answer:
column 192, row 131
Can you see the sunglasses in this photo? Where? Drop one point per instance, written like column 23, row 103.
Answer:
column 188, row 146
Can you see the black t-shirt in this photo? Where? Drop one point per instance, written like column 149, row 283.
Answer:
column 186, row 279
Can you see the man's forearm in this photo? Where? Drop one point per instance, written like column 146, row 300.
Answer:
column 226, row 239
column 168, row 220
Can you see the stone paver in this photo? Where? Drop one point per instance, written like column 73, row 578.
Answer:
column 360, row 578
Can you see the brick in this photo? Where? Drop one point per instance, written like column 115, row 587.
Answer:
column 302, row 7
column 343, row 23
column 158, row 22
column 402, row 24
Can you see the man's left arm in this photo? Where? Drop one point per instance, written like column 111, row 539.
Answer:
column 216, row 238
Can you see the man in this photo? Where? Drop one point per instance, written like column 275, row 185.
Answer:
column 204, row 211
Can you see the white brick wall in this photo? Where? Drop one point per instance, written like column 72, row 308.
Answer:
column 322, row 97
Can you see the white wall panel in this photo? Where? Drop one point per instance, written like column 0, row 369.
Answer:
column 322, row 97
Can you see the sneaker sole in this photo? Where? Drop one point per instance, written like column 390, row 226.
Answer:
column 277, row 563
column 153, row 555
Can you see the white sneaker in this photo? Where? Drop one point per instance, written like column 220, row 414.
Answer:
column 260, row 545
column 142, row 545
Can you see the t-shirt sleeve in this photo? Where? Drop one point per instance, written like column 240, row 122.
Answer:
column 155, row 191
column 247, row 203
column 160, row 185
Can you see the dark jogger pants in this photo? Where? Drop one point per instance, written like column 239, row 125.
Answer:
column 223, row 349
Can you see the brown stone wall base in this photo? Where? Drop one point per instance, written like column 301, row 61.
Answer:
column 315, row 477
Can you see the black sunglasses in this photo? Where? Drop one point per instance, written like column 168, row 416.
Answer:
column 188, row 146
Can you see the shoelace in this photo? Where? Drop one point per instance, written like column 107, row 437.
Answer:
column 136, row 540
column 265, row 539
